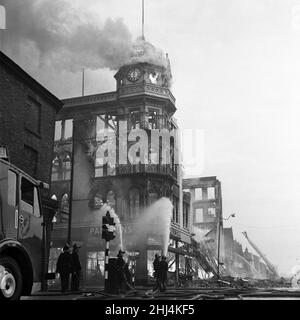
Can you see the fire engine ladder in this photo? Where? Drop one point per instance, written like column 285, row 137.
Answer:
column 268, row 263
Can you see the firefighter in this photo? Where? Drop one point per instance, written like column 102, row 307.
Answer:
column 120, row 268
column 64, row 267
column 156, row 264
column 76, row 269
column 128, row 277
column 163, row 273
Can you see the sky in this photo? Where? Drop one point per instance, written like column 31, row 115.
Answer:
column 236, row 78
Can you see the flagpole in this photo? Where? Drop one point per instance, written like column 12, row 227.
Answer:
column 83, row 82
column 2, row 25
column 143, row 18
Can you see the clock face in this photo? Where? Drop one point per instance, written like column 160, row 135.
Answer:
column 134, row 74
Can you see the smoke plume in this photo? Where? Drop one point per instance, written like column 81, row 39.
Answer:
column 64, row 36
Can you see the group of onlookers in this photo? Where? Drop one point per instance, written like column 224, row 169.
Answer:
column 68, row 263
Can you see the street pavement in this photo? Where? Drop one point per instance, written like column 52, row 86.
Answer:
column 143, row 293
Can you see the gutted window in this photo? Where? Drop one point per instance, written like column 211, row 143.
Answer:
column 106, row 127
column 57, row 134
column 135, row 119
column 104, row 170
column 212, row 211
column 153, row 119
column 105, row 124
column 68, row 129
column 185, row 215
column 199, row 215
column 211, row 193
column 63, row 129
column 198, row 194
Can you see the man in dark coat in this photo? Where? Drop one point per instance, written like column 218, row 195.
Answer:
column 64, row 267
column 76, row 269
column 163, row 273
column 156, row 263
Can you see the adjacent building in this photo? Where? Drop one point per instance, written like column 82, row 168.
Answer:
column 27, row 116
column 27, row 124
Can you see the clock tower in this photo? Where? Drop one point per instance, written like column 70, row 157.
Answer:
column 147, row 65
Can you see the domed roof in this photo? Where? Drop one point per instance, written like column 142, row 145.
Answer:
column 144, row 51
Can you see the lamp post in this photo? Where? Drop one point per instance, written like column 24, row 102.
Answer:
column 219, row 235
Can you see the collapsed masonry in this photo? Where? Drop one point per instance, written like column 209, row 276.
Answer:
column 210, row 235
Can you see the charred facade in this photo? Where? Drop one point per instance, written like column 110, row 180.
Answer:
column 82, row 180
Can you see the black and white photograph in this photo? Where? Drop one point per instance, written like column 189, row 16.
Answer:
column 149, row 153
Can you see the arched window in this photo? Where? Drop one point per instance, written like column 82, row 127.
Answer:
column 134, row 202
column 111, row 199
column 54, row 197
column 55, row 168
column 66, row 166
column 64, row 206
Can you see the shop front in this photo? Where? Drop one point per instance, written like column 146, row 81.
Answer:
column 140, row 252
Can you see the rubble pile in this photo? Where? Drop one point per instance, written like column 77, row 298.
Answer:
column 238, row 283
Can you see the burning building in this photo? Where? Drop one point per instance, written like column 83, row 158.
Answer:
column 121, row 148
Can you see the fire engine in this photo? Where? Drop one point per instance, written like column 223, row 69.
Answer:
column 22, row 231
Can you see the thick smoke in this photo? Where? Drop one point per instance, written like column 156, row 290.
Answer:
column 64, row 37
column 143, row 51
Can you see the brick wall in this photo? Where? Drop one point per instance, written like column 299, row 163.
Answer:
column 14, row 96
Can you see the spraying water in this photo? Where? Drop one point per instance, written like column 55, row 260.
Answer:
column 156, row 220
column 102, row 212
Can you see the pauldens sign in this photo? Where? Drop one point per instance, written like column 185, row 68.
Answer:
column 96, row 231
